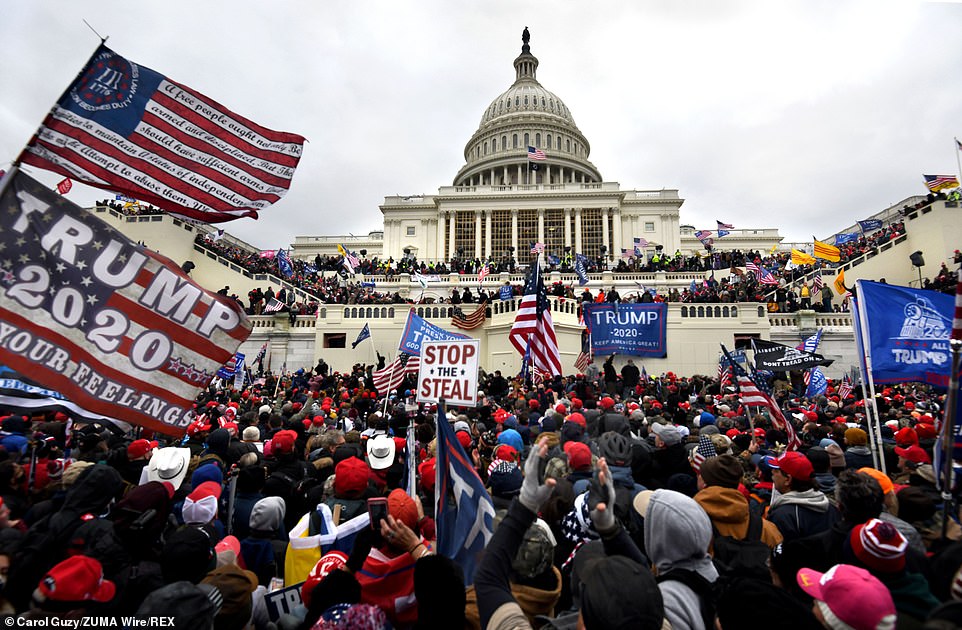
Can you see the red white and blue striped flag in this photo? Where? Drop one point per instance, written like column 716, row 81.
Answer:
column 534, row 322
column 126, row 128
column 536, row 154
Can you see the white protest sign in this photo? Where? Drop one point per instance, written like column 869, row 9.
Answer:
column 449, row 370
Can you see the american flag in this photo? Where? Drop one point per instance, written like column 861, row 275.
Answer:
column 817, row 284
column 537, row 248
column 724, row 376
column 534, row 321
column 584, row 357
column 274, row 306
column 391, row 376
column 641, row 242
column 724, row 226
column 536, row 154
column 126, row 128
column 644, row 375
column 483, row 273
column 752, row 395
column 844, row 389
column 762, row 275
column 261, row 353
column 935, row 183
column 117, row 329
column 703, row 235
column 469, row 322
column 703, row 452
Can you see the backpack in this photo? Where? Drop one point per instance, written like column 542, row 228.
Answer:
column 704, row 589
column 748, row 557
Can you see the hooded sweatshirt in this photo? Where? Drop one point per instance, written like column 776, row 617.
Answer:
column 677, row 536
column 728, row 510
column 799, row 514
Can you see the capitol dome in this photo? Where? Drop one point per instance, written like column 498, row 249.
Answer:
column 526, row 114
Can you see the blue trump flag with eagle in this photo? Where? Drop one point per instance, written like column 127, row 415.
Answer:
column 464, row 511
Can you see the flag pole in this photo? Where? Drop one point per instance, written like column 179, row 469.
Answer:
column 868, row 397
column 958, row 147
column 387, row 394
column 948, row 429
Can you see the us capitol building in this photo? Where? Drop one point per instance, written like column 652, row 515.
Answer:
column 500, row 202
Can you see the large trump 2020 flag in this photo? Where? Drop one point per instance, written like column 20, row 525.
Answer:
column 117, row 329
column 126, row 128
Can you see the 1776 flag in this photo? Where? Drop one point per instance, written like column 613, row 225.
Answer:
column 126, row 128
column 118, row 329
column 534, row 321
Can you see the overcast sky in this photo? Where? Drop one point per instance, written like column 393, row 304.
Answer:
column 803, row 116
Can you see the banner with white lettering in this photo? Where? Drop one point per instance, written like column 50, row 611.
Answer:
column 117, row 329
column 449, row 370
column 417, row 330
column 908, row 332
column 283, row 601
column 638, row 329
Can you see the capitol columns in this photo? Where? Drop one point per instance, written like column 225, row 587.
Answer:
column 452, row 220
column 605, row 241
column 578, row 231
column 616, row 225
column 477, row 234
column 567, row 227
column 487, row 233
column 439, row 247
column 514, row 232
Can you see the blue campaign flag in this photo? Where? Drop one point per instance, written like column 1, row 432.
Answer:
column 847, row 237
column 368, row 284
column 463, row 508
column 233, row 365
column 417, row 330
column 284, row 263
column 361, row 336
column 905, row 332
column 638, row 329
column 309, row 268
column 581, row 268
column 505, row 292
column 722, row 232
column 818, row 384
column 870, row 224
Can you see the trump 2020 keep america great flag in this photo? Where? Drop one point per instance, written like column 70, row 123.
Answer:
column 116, row 328
column 128, row 129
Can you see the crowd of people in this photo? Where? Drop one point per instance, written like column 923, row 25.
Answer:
column 131, row 208
column 621, row 502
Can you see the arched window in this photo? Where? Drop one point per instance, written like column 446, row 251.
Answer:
column 761, row 311
column 559, row 142
column 504, row 143
column 734, row 311
column 390, row 312
column 527, row 142
column 525, row 100
column 369, row 315
column 701, row 311
column 420, row 312
column 725, row 312
column 547, row 141
column 717, row 311
column 684, row 311
column 485, row 148
column 708, row 311
column 517, row 101
column 323, row 313
column 537, row 139
column 514, row 140
column 568, row 146
column 377, row 313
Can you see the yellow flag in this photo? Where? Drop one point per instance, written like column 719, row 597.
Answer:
column 801, row 258
column 340, row 250
column 826, row 251
column 840, row 282
column 771, row 252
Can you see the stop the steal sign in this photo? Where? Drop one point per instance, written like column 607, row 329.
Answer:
column 449, row 370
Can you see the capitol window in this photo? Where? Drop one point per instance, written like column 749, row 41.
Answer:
column 504, row 142
column 527, row 142
column 649, row 226
column 410, row 230
column 526, row 100
column 548, row 141
column 537, row 139
column 559, row 143
column 514, row 140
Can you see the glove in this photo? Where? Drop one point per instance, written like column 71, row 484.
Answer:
column 533, row 492
column 603, row 491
